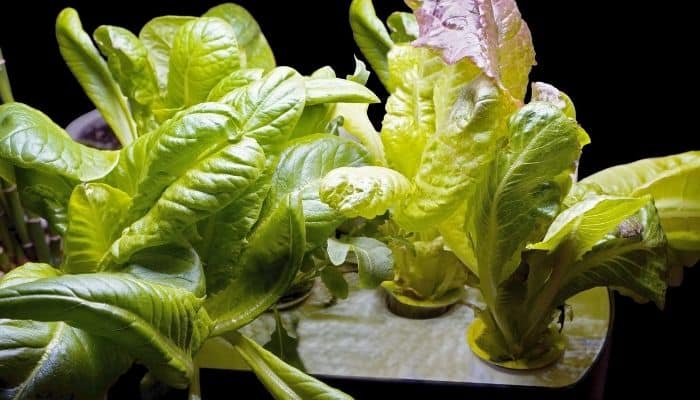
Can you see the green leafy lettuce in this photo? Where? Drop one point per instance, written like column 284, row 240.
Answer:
column 474, row 171
column 198, row 224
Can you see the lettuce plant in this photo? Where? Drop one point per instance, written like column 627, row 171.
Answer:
column 197, row 225
column 493, row 178
column 177, row 62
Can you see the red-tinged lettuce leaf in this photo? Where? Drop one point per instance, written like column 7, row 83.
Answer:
column 491, row 33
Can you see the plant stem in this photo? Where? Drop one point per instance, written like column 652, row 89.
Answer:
column 5, row 88
column 55, row 246
column 5, row 261
column 17, row 217
column 10, row 189
column 4, row 205
column 38, row 236
column 7, row 240
column 195, row 391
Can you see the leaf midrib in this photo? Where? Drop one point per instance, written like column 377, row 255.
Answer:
column 44, row 357
column 499, row 192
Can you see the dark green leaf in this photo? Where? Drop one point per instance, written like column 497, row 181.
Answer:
column 265, row 270
column 284, row 346
column 170, row 265
column 335, row 282
column 38, row 359
column 158, row 325
column 224, row 235
column 283, row 381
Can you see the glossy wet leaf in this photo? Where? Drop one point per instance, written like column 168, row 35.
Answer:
column 157, row 36
column 269, row 109
column 37, row 359
column 159, row 325
column 30, row 140
column 207, row 187
column 258, row 53
column 204, row 51
column 235, row 80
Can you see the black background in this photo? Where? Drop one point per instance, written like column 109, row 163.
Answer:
column 625, row 65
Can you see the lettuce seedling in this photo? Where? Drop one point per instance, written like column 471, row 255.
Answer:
column 494, row 178
column 197, row 225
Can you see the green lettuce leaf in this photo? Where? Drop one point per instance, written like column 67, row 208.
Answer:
column 37, row 359
column 93, row 74
column 258, row 53
column 336, row 90
column 204, row 51
column 30, row 140
column 46, row 195
column 372, row 37
column 300, row 170
column 469, row 122
column 602, row 241
column 403, row 26
column 364, row 191
column 269, row 109
column 178, row 266
column 207, row 187
column 236, row 79
column 671, row 181
column 127, row 59
column 410, row 111
column 374, row 259
column 543, row 145
column 157, row 36
column 283, row 345
column 95, row 212
column 155, row 161
column 282, row 380
column 224, row 234
column 334, row 280
column 425, row 271
column 264, row 271
column 158, row 325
